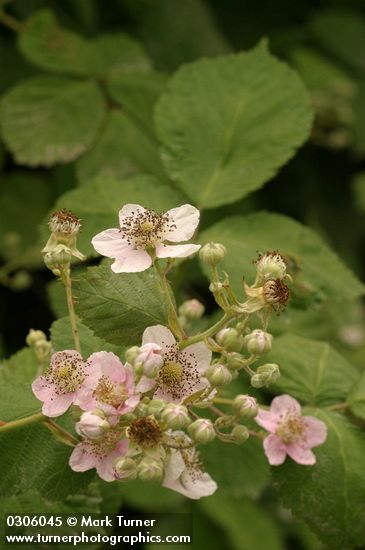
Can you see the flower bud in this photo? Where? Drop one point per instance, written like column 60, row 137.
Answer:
column 149, row 360
column 234, row 361
column 64, row 226
column 258, row 342
column 175, row 416
column 150, row 469
column 212, row 253
column 35, row 336
column 43, row 349
column 131, row 354
column 270, row 266
column 92, row 424
column 240, row 434
column 60, row 255
column 265, row 375
column 125, row 469
column 218, row 375
column 21, row 280
column 245, row 405
column 230, row 339
column 192, row 309
column 202, row 430
column 155, row 407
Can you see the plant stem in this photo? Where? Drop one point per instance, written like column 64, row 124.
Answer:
column 209, row 332
column 61, row 434
column 337, row 407
column 223, row 400
column 166, row 289
column 67, row 282
column 21, row 422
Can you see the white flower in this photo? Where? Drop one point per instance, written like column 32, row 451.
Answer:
column 182, row 371
column 143, row 231
column 184, row 474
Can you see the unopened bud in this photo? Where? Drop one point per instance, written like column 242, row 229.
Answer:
column 265, row 375
column 155, row 407
column 271, row 266
column 202, row 430
column 234, row 361
column 58, row 257
column 150, row 469
column 92, row 424
column 43, row 349
column 175, row 416
column 35, row 336
column 212, row 253
column 21, row 281
column 245, row 405
column 230, row 339
column 192, row 309
column 149, row 360
column 218, row 375
column 240, row 434
column 131, row 354
column 125, row 469
column 258, row 342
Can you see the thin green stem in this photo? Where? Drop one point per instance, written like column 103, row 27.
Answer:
column 166, row 289
column 21, row 422
column 207, row 333
column 223, row 401
column 67, row 282
column 60, row 433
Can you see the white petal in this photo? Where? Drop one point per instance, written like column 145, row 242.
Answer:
column 134, row 261
column 110, row 243
column 158, row 334
column 176, row 251
column 201, row 353
column 186, row 219
column 129, row 210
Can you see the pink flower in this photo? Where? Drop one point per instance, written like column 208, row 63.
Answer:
column 100, row 454
column 109, row 388
column 142, row 230
column 58, row 387
column 182, row 371
column 184, row 474
column 290, row 432
column 150, row 359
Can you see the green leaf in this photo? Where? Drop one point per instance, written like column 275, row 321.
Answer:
column 317, row 269
column 330, row 495
column 99, row 210
column 61, row 337
column 356, row 398
column 17, row 401
column 228, row 124
column 118, row 307
column 149, row 496
column 228, row 465
column 50, row 47
column 19, row 368
column 247, row 525
column 46, row 119
column 312, row 371
column 123, row 149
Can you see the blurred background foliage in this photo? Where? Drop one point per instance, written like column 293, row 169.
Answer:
column 71, row 51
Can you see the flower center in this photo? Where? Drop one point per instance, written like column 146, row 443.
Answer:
column 108, row 392
column 179, row 374
column 144, row 229
column 64, row 222
column 104, row 446
column 145, row 432
column 291, row 429
column 67, row 373
column 171, row 373
column 276, row 294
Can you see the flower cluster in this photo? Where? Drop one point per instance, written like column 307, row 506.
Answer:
column 143, row 415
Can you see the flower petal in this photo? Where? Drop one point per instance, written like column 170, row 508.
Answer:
column 176, row 251
column 316, row 431
column 145, row 384
column 134, row 261
column 284, row 404
column 58, row 404
column 186, row 219
column 201, row 353
column 300, row 454
column 158, row 334
column 110, row 243
column 81, row 460
column 109, row 364
column 130, row 210
column 275, row 450
column 267, row 420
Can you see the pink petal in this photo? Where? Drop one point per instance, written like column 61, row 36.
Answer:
column 284, row 404
column 109, row 364
column 316, row 431
column 42, row 389
column 105, row 466
column 130, row 210
column 275, row 450
column 300, row 454
column 85, row 399
column 133, row 261
column 145, row 384
column 176, row 251
column 201, row 353
column 80, row 460
column 267, row 420
column 110, row 243
column 58, row 404
column 186, row 219
column 158, row 334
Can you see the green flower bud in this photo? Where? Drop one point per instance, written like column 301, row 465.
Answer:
column 234, row 361
column 202, row 430
column 212, row 253
column 192, row 309
column 175, row 416
column 258, row 342
column 150, row 469
column 131, row 354
column 156, row 406
column 245, row 405
column 265, row 375
column 218, row 375
column 125, row 469
column 230, row 339
column 35, row 336
column 240, row 434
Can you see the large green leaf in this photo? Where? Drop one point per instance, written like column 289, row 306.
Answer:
column 19, row 368
column 118, row 307
column 356, row 398
column 17, row 401
column 123, row 149
column 228, row 124
column 330, row 496
column 46, row 119
column 312, row 371
column 99, row 209
column 317, row 267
